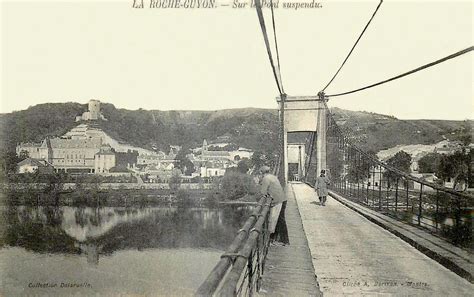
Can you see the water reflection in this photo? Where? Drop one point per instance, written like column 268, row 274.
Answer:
column 76, row 230
column 115, row 235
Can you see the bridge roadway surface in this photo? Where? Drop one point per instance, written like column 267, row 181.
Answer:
column 350, row 256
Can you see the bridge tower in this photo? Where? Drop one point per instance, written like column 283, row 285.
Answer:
column 305, row 114
column 297, row 156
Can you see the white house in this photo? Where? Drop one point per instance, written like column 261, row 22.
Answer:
column 30, row 165
column 212, row 171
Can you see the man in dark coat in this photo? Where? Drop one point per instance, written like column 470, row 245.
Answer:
column 321, row 186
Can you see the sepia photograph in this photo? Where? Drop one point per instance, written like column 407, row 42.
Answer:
column 236, row 148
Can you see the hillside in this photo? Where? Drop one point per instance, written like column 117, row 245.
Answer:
column 377, row 132
column 37, row 122
column 249, row 127
column 253, row 128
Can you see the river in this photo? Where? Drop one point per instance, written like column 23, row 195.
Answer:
column 112, row 251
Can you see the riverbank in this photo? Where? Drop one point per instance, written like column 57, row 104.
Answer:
column 67, row 187
column 87, row 195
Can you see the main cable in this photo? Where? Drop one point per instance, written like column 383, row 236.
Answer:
column 258, row 7
column 457, row 54
column 355, row 44
column 276, row 46
column 374, row 160
column 311, row 147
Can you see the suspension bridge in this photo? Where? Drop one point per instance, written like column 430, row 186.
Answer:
column 382, row 232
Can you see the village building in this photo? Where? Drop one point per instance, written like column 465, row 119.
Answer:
column 222, row 155
column 104, row 160
column 74, row 155
column 207, row 155
column 216, row 156
column 212, row 171
column 449, row 148
column 34, row 150
column 240, row 153
column 70, row 155
column 429, row 177
column 376, row 176
column 212, row 163
column 126, row 159
column 151, row 159
column 83, row 131
column 154, row 173
column 30, row 165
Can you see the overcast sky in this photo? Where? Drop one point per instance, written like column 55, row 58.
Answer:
column 207, row 59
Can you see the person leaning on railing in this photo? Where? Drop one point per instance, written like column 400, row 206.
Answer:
column 270, row 185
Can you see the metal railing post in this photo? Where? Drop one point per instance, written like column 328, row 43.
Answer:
column 358, row 184
column 449, row 202
column 250, row 269
column 437, row 210
column 373, row 187
column 368, row 181
column 396, row 196
column 407, row 194
column 419, row 205
column 216, row 276
column 380, row 188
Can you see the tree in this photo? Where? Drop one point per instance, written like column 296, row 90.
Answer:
column 184, row 198
column 9, row 161
column 235, row 185
column 54, row 186
column 401, row 161
column 466, row 133
column 455, row 166
column 230, row 147
column 244, row 165
column 187, row 167
column 24, row 155
column 265, row 157
column 258, row 159
column 334, row 163
column 429, row 163
column 175, row 181
column 183, row 163
column 359, row 165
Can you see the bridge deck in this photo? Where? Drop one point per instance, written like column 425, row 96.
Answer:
column 352, row 256
column 288, row 269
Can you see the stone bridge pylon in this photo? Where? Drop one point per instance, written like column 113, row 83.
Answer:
column 303, row 114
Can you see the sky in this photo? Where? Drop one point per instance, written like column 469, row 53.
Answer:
column 208, row 59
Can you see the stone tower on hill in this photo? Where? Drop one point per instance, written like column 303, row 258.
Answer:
column 93, row 114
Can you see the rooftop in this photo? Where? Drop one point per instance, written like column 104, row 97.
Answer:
column 31, row 144
column 60, row 143
column 31, row 162
column 215, row 153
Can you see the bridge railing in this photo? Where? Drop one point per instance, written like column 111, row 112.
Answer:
column 239, row 271
column 364, row 179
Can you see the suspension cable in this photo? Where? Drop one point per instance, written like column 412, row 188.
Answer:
column 258, row 7
column 276, row 46
column 355, row 44
column 311, row 139
column 459, row 53
column 375, row 160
